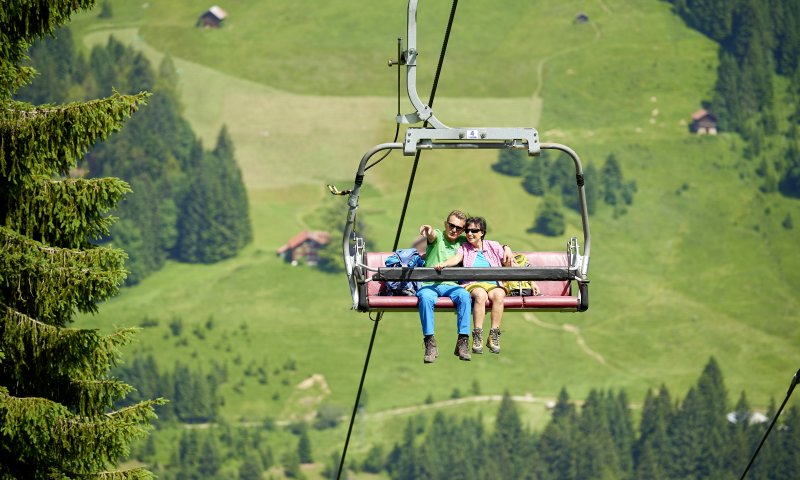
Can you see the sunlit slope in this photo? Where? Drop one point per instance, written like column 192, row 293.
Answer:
column 699, row 266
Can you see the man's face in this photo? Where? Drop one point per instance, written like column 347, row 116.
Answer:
column 453, row 227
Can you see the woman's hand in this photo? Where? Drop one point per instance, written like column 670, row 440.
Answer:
column 508, row 256
column 439, row 266
column 535, row 290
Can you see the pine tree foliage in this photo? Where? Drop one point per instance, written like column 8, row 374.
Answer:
column 57, row 419
column 215, row 222
column 512, row 162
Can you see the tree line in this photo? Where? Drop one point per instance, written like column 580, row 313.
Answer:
column 758, row 40
column 700, row 436
column 188, row 204
column 554, row 180
column 192, row 395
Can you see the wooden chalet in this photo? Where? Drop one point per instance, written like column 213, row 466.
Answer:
column 703, row 123
column 212, row 18
column 304, row 245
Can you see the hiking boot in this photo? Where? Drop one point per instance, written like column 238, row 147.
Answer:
column 431, row 351
column 462, row 348
column 493, row 342
column 477, row 340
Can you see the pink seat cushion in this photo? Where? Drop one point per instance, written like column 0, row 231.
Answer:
column 556, row 295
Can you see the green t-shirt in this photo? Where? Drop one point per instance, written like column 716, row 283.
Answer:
column 440, row 250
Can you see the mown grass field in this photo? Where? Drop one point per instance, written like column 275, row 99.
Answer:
column 700, row 265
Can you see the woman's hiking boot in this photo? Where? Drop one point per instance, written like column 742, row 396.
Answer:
column 477, row 340
column 493, row 342
column 431, row 351
column 462, row 348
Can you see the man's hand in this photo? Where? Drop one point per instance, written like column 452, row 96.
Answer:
column 428, row 232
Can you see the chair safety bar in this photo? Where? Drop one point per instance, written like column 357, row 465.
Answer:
column 429, row 274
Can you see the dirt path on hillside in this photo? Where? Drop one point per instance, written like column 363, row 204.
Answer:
column 571, row 329
column 547, row 401
column 536, row 98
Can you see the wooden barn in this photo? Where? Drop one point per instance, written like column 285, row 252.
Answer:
column 212, row 18
column 703, row 122
column 305, row 245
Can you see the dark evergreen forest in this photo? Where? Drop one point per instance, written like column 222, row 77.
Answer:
column 188, row 204
column 702, row 435
column 758, row 41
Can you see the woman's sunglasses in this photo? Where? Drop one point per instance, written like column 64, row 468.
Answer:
column 473, row 230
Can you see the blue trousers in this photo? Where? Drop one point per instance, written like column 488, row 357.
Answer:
column 427, row 299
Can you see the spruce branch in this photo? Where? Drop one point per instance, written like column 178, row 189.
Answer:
column 71, row 130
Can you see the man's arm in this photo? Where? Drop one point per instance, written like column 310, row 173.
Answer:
column 428, row 232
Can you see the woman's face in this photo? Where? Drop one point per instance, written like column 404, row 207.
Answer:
column 474, row 234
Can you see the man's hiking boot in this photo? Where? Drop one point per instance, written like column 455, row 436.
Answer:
column 477, row 340
column 493, row 342
column 462, row 348
column 431, row 351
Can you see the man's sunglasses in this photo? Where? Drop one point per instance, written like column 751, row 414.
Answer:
column 455, row 227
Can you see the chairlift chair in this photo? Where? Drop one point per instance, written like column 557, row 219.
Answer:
column 555, row 272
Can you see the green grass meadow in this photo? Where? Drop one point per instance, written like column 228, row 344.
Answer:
column 699, row 266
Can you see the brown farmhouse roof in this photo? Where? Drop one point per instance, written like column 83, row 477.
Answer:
column 318, row 236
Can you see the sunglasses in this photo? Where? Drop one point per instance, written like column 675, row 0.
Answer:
column 473, row 230
column 455, row 227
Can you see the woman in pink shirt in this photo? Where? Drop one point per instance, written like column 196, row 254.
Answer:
column 477, row 252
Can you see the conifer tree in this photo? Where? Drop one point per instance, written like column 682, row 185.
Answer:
column 507, row 441
column 557, row 444
column 291, row 465
column 210, row 459
column 653, row 433
column 235, row 212
column 534, row 176
column 738, row 446
column 215, row 221
column 251, row 467
column 621, row 426
column 598, row 457
column 511, row 162
column 56, row 397
column 549, row 218
column 304, row 445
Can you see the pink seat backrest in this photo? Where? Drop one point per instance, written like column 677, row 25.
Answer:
column 375, row 260
column 550, row 259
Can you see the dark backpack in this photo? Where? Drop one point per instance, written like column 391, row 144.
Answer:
column 407, row 257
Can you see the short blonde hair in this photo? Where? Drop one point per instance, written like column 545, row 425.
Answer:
column 458, row 214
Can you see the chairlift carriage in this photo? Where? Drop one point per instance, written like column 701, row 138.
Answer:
column 555, row 272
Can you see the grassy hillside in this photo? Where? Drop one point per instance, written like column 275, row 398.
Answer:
column 699, row 266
